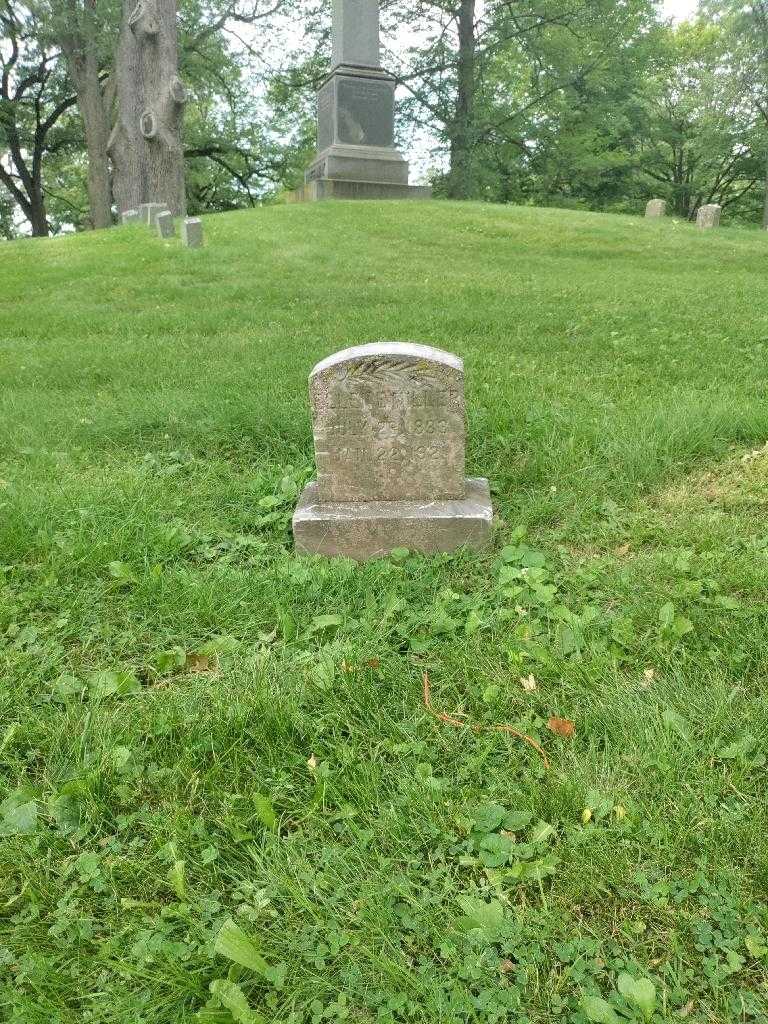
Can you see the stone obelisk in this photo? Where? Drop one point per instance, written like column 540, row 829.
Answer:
column 357, row 158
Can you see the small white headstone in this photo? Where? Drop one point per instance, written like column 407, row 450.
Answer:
column 164, row 223
column 656, row 208
column 709, row 216
column 192, row 232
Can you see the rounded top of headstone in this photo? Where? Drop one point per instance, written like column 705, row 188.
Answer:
column 399, row 349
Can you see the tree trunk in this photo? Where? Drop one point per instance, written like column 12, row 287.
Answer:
column 145, row 145
column 461, row 179
column 39, row 220
column 765, row 197
column 36, row 213
column 94, row 110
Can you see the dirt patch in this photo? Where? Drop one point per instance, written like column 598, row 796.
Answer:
column 739, row 481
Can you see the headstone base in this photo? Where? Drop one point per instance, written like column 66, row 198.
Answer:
column 363, row 530
column 338, row 188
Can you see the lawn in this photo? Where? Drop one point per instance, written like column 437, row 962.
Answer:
column 221, row 796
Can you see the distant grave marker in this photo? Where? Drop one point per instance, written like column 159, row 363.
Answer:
column 390, row 434
column 150, row 211
column 709, row 216
column 656, row 208
column 164, row 222
column 192, row 232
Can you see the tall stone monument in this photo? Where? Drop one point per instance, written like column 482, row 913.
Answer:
column 390, row 432
column 356, row 157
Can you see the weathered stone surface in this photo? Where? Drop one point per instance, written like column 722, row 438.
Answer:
column 192, row 232
column 356, row 129
column 656, row 208
column 390, row 430
column 164, row 222
column 150, row 211
column 130, row 217
column 373, row 530
column 360, row 163
column 335, row 188
column 389, row 424
column 709, row 216
column 356, row 33
column 357, row 109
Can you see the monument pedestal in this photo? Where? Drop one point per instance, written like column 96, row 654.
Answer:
column 363, row 530
column 339, row 188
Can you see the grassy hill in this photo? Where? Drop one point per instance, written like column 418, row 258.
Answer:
column 196, row 726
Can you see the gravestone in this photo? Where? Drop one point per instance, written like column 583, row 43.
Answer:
column 656, row 208
column 192, row 232
column 130, row 217
column 164, row 222
column 390, row 433
column 357, row 157
column 709, row 216
column 150, row 211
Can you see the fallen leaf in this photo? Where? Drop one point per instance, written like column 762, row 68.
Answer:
column 648, row 676
column 373, row 663
column 312, row 763
column 622, row 551
column 562, row 727
column 507, row 966
column 202, row 662
column 687, row 1010
column 586, row 815
column 529, row 683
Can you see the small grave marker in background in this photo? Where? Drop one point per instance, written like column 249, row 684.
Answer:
column 709, row 216
column 164, row 222
column 192, row 232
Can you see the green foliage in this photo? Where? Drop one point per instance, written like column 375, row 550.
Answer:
column 232, row 943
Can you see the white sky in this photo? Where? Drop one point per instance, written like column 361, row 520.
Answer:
column 679, row 8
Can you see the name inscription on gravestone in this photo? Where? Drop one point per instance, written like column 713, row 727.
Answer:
column 366, row 112
column 389, row 427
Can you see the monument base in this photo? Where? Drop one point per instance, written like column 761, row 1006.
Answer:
column 339, row 188
column 359, row 163
column 363, row 530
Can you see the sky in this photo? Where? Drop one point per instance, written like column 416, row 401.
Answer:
column 679, row 8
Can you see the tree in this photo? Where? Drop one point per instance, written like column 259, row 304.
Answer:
column 84, row 29
column 746, row 25
column 487, row 72
column 145, row 145
column 700, row 132
column 34, row 97
column 250, row 124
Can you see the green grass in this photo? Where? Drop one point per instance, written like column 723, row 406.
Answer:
column 187, row 738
